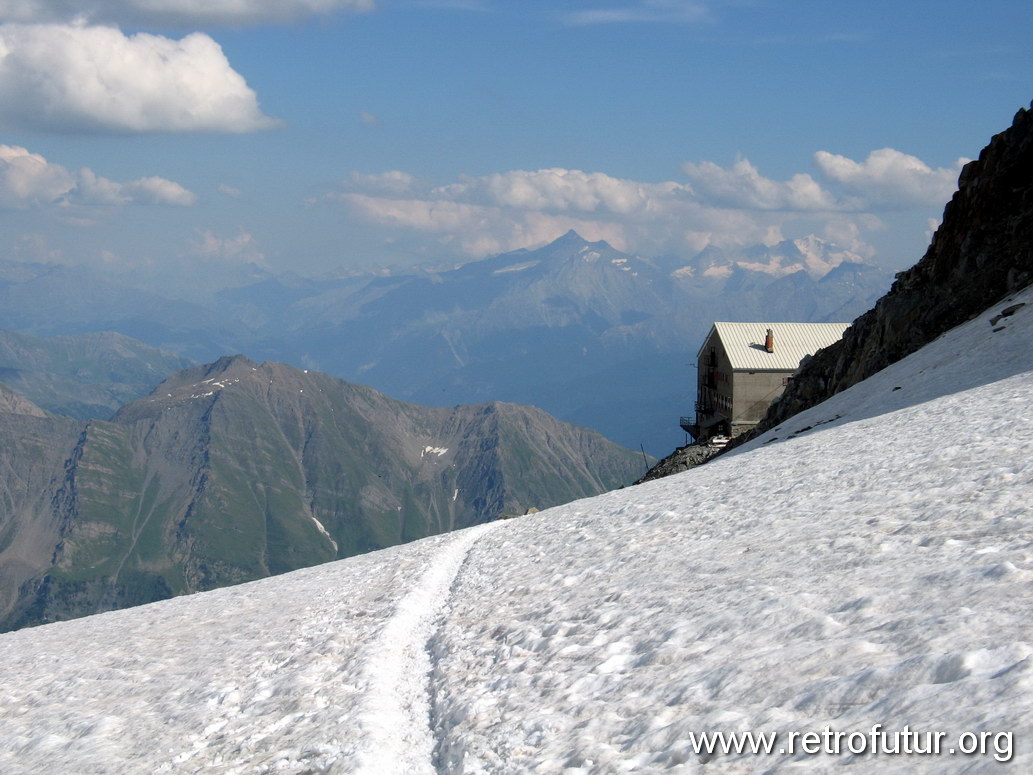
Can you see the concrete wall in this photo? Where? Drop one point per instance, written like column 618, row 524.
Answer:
column 753, row 393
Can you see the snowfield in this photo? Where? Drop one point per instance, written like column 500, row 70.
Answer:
column 873, row 565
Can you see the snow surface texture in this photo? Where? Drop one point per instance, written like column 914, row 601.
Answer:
column 873, row 565
column 301, row 676
column 396, row 706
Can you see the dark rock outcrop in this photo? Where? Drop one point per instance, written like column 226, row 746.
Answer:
column 982, row 252
column 682, row 459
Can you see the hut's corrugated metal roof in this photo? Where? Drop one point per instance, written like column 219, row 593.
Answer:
column 744, row 343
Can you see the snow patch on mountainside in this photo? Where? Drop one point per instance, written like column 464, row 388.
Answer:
column 326, row 534
column 516, row 267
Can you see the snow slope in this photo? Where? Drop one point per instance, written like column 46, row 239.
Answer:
column 873, row 565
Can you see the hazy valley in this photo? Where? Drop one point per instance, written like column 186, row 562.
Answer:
column 591, row 335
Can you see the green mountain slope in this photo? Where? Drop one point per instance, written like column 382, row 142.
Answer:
column 235, row 471
column 85, row 375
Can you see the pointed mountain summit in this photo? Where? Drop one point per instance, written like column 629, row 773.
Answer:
column 237, row 470
column 571, row 238
column 592, row 334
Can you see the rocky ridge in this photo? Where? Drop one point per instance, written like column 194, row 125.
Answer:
column 982, row 252
column 86, row 376
column 236, row 470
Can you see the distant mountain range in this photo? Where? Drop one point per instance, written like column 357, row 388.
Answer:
column 590, row 334
column 238, row 470
column 84, row 376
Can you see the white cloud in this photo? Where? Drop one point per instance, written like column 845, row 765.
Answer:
column 655, row 11
column 848, row 233
column 242, row 249
column 228, row 190
column 28, row 180
column 520, row 208
column 477, row 230
column 562, row 190
column 889, row 178
column 186, row 13
column 721, row 206
column 741, row 185
column 154, row 190
column 98, row 79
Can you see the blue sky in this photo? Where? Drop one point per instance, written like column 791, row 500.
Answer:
column 188, row 137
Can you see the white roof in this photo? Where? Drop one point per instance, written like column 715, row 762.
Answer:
column 744, row 343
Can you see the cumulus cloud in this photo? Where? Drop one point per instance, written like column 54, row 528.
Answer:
column 889, row 178
column 98, row 79
column 886, row 179
column 663, row 11
column 159, row 191
column 28, row 180
column 742, row 185
column 562, row 190
column 520, row 208
column 241, row 249
column 722, row 206
column 174, row 12
column 477, row 230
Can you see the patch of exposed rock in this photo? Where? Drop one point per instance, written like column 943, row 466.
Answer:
column 982, row 252
column 13, row 403
column 682, row 459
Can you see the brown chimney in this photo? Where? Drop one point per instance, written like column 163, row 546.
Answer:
column 769, row 341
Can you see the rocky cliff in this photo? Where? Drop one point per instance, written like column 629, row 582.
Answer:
column 982, row 251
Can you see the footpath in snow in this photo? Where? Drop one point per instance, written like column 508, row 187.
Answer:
column 321, row 670
column 396, row 714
